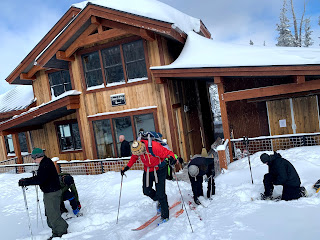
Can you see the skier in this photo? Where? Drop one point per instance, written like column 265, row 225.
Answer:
column 281, row 172
column 197, row 169
column 48, row 180
column 154, row 171
column 69, row 192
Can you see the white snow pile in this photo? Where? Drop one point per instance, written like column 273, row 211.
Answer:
column 151, row 9
column 201, row 52
column 230, row 215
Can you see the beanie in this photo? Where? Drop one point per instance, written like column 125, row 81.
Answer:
column 37, row 153
column 193, row 170
column 138, row 148
column 264, row 158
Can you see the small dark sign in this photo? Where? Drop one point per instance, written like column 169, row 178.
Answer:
column 118, row 99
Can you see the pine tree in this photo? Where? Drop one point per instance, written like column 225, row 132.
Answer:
column 264, row 43
column 285, row 38
column 251, row 43
column 307, row 41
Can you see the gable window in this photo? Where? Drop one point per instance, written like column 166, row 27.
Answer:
column 115, row 65
column 59, row 82
column 107, row 132
column 69, row 136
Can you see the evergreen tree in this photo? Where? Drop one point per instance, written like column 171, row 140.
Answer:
column 264, row 43
column 251, row 43
column 307, row 41
column 285, row 38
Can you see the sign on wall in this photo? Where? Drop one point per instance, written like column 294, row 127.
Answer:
column 118, row 99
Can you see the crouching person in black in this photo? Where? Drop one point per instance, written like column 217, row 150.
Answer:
column 70, row 193
column 281, row 172
column 48, row 180
column 197, row 168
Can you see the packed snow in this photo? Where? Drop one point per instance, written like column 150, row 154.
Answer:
column 230, row 215
column 201, row 52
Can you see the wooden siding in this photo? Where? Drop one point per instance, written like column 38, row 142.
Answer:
column 279, row 110
column 41, row 88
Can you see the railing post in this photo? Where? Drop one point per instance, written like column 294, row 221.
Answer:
column 55, row 161
column 222, row 158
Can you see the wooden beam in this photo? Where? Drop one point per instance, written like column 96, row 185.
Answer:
column 78, row 43
column 217, row 79
column 97, row 37
column 160, row 80
column 95, row 20
column 60, row 55
column 24, row 129
column 16, row 146
column 271, row 91
column 299, row 79
column 147, row 35
column 25, row 76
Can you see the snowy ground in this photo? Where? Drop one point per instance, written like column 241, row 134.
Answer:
column 230, row 215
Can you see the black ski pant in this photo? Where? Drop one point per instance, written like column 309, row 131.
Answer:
column 288, row 192
column 160, row 193
column 68, row 195
column 197, row 189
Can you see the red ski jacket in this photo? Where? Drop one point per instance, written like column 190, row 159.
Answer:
column 150, row 161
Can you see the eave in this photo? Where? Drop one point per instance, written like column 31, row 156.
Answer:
column 6, row 115
column 28, row 61
column 43, row 114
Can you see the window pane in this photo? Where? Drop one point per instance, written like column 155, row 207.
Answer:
column 123, row 126
column 9, row 144
column 76, row 136
column 55, row 78
column 145, row 122
column 58, row 90
column 23, row 142
column 65, row 137
column 134, row 58
column 92, row 69
column 103, row 137
column 113, row 64
column 60, row 82
column 66, row 77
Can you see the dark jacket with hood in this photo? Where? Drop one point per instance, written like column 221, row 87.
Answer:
column 206, row 166
column 47, row 177
column 283, row 171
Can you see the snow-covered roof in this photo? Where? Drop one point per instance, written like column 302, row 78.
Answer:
column 201, row 52
column 16, row 99
column 151, row 9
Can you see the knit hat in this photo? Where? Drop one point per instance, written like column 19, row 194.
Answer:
column 264, row 158
column 37, row 153
column 193, row 170
column 138, row 148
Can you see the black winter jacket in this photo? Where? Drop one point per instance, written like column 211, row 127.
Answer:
column 47, row 177
column 283, row 171
column 206, row 165
column 125, row 149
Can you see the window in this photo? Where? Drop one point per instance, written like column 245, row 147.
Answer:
column 9, row 144
column 126, row 125
column 23, row 142
column 103, row 137
column 120, row 64
column 59, row 82
column 69, row 137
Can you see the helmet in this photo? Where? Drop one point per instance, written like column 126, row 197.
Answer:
column 193, row 170
column 138, row 148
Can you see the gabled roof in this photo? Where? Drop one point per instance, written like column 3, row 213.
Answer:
column 101, row 19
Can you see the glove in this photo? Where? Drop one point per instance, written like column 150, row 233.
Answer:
column 79, row 205
column 76, row 211
column 196, row 201
column 124, row 169
column 22, row 182
column 180, row 160
column 172, row 161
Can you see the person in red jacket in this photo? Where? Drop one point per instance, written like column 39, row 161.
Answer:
column 154, row 171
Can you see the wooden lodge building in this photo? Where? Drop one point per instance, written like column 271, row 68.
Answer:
column 103, row 71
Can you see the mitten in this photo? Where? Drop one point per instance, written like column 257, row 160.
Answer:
column 124, row 169
column 22, row 182
column 172, row 161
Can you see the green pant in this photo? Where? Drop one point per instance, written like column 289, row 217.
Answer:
column 52, row 210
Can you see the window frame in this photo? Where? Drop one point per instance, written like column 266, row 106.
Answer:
column 119, row 115
column 67, row 122
column 119, row 43
column 59, row 71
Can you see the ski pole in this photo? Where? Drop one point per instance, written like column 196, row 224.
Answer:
column 119, row 198
column 27, row 209
column 38, row 207
column 246, row 141
column 174, row 171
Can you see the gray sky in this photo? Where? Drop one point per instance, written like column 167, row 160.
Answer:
column 24, row 22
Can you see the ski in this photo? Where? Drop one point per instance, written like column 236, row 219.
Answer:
column 151, row 220
column 68, row 217
column 194, row 209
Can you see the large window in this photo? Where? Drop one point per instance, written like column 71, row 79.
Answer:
column 9, row 144
column 69, row 137
column 115, row 65
column 59, row 82
column 107, row 132
column 22, row 141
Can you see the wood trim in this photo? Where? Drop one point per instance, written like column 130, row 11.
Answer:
column 113, row 138
column 7, row 115
column 299, row 79
column 16, row 146
column 84, row 152
column 204, row 30
column 176, row 105
column 94, row 145
column 123, row 64
column 61, row 55
column 104, row 78
column 25, row 76
column 64, row 20
column 24, row 129
column 272, row 90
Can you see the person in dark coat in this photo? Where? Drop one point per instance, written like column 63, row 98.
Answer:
column 281, row 172
column 197, row 168
column 70, row 193
column 125, row 147
column 48, row 180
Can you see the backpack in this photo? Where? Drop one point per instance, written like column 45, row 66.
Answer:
column 152, row 136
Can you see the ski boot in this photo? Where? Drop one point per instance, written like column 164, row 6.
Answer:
column 265, row 197
column 163, row 220
column 158, row 208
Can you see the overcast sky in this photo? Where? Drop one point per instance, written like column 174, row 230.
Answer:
column 24, row 22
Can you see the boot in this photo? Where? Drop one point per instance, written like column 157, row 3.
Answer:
column 158, row 208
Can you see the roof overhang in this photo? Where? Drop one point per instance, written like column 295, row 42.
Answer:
column 35, row 118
